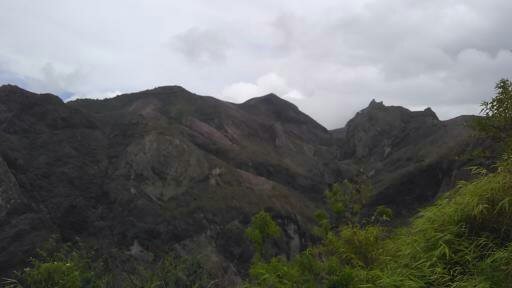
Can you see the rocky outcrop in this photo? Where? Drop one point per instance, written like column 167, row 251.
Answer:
column 375, row 131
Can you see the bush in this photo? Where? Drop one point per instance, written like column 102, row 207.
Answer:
column 172, row 271
column 54, row 275
column 77, row 266
column 63, row 266
column 261, row 231
column 497, row 122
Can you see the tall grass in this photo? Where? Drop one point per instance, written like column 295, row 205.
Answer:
column 463, row 240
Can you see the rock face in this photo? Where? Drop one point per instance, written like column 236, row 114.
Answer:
column 167, row 167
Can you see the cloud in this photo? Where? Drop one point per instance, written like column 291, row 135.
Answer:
column 201, row 45
column 334, row 55
column 422, row 54
column 266, row 84
column 57, row 80
column 42, row 77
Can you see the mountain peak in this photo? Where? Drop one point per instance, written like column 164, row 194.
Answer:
column 374, row 104
column 378, row 124
column 276, row 109
column 430, row 113
column 270, row 103
column 10, row 88
column 378, row 110
column 13, row 94
column 169, row 88
column 269, row 99
column 271, row 96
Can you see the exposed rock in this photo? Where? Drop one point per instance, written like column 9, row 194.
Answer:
column 140, row 253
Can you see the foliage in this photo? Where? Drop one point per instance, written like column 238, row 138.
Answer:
column 347, row 248
column 346, row 200
column 497, row 122
column 462, row 240
column 62, row 266
column 324, row 225
column 171, row 271
column 361, row 245
column 303, row 271
column 54, row 275
column 261, row 231
column 382, row 214
column 337, row 262
column 77, row 266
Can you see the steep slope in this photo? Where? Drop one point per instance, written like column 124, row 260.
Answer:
column 266, row 136
column 165, row 167
column 49, row 165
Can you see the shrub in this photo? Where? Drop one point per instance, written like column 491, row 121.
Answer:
column 54, row 275
column 261, row 231
column 497, row 122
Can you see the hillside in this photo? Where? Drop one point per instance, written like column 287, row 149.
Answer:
column 165, row 167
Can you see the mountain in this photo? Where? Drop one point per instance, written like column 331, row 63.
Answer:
column 166, row 167
column 412, row 156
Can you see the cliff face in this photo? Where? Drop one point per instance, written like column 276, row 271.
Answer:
column 167, row 167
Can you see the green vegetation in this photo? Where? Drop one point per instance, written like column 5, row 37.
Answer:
column 497, row 122
column 261, row 232
column 347, row 199
column 62, row 266
column 76, row 266
column 171, row 271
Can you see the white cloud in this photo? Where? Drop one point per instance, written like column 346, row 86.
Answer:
column 266, row 84
column 201, row 45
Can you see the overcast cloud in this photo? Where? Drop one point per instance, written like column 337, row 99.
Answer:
column 330, row 58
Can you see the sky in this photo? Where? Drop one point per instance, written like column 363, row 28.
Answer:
column 330, row 58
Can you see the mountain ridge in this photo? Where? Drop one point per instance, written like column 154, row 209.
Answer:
column 166, row 167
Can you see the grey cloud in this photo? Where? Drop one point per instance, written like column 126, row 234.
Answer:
column 406, row 53
column 201, row 45
column 54, row 80
column 338, row 55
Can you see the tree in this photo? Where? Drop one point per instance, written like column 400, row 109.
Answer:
column 497, row 120
column 261, row 231
column 347, row 199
